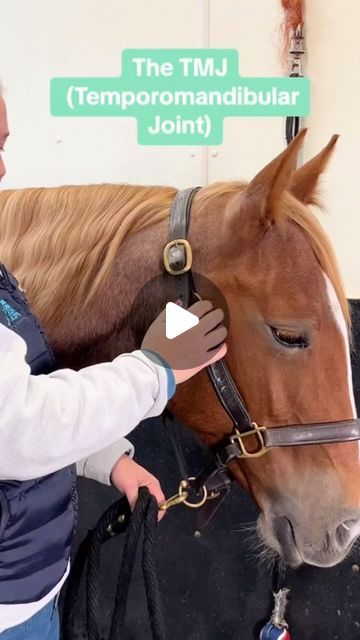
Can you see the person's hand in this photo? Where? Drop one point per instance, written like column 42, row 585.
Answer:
column 128, row 476
column 190, row 352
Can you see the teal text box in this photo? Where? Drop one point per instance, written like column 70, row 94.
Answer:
column 180, row 96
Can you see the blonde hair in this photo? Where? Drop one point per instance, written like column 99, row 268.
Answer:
column 73, row 234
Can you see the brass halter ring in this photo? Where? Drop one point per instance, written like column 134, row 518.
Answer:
column 181, row 497
column 184, row 484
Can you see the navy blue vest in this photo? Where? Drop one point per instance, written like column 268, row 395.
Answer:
column 37, row 517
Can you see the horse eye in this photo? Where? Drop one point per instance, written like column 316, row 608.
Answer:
column 290, row 338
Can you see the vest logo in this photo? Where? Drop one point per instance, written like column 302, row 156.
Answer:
column 11, row 314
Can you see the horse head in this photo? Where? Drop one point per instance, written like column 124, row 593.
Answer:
column 288, row 351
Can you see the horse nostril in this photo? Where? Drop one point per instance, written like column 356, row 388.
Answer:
column 344, row 531
column 350, row 523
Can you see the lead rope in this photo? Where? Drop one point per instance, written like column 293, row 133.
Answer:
column 116, row 519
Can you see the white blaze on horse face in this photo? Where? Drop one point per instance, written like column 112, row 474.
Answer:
column 340, row 321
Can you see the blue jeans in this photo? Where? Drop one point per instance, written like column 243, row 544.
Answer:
column 44, row 625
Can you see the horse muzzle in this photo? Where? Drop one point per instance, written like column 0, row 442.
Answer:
column 317, row 545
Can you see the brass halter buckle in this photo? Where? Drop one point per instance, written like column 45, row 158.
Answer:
column 188, row 256
column 237, row 438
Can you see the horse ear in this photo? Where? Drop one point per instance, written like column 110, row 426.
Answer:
column 304, row 181
column 260, row 196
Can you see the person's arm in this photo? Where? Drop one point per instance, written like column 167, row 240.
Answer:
column 99, row 465
column 50, row 421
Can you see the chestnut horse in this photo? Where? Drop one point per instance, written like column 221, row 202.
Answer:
column 83, row 252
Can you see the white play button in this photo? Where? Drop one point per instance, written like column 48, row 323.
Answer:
column 178, row 320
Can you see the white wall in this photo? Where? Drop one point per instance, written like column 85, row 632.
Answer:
column 333, row 43
column 41, row 38
column 253, row 29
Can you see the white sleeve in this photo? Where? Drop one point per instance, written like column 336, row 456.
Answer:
column 100, row 465
column 50, row 421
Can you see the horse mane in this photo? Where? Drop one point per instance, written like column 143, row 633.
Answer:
column 73, row 234
column 85, row 227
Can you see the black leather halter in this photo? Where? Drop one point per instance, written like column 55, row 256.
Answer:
column 178, row 261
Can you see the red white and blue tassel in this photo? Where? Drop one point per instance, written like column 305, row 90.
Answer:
column 277, row 628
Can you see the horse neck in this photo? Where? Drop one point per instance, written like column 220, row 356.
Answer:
column 103, row 329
